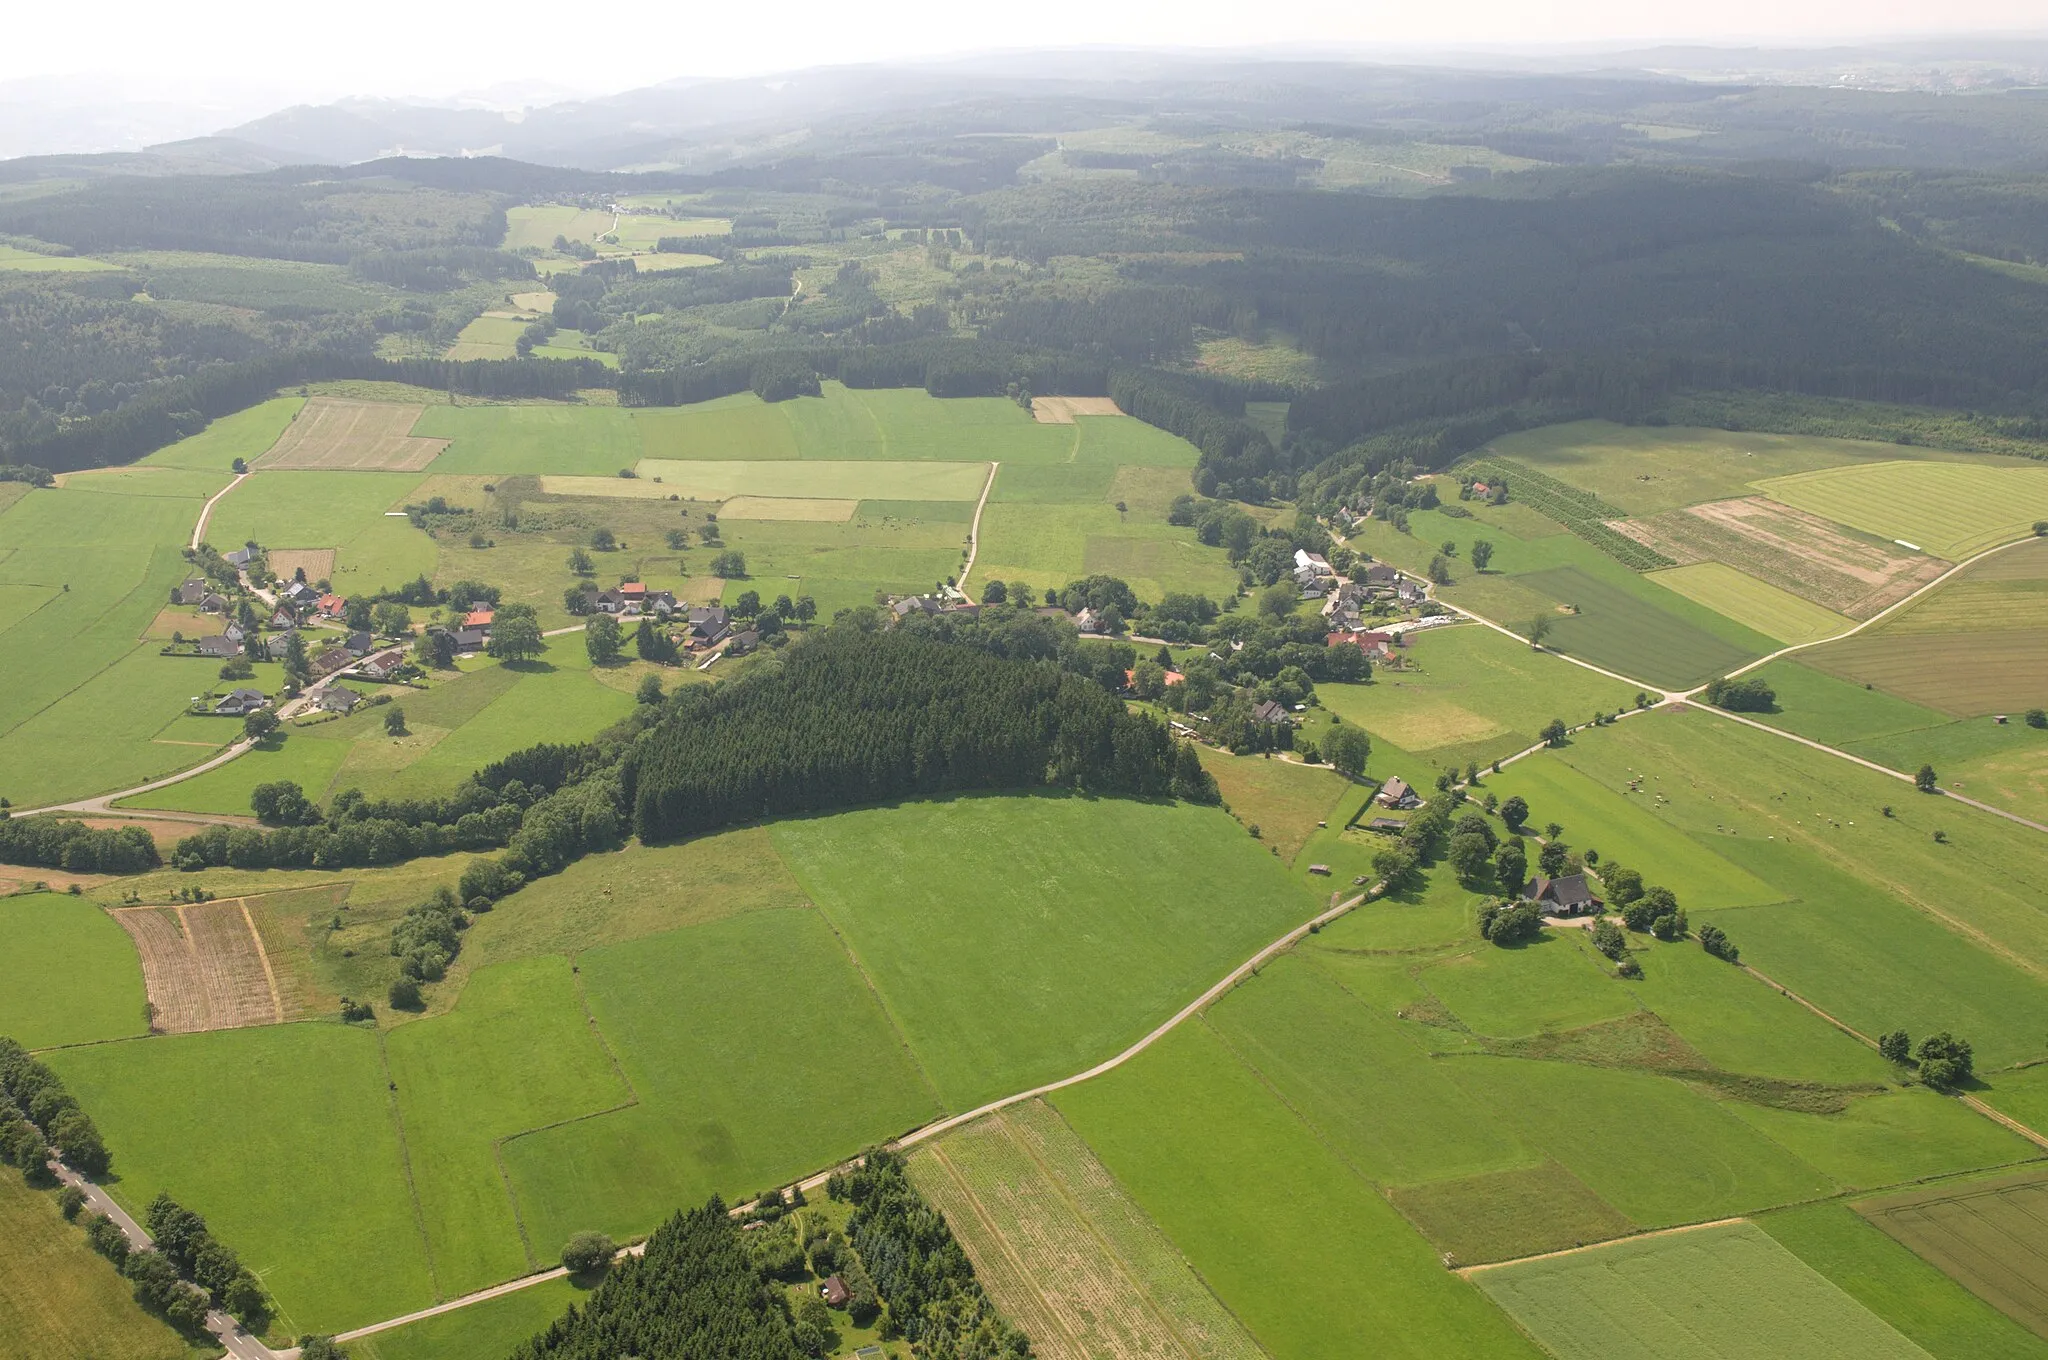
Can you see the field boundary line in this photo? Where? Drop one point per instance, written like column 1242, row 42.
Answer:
column 263, row 957
column 2000, row 1117
column 412, row 1190
column 974, row 529
column 1003, row 1243
column 875, row 992
column 1469, row 1271
column 1060, row 1189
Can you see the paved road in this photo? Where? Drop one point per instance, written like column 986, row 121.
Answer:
column 239, row 1343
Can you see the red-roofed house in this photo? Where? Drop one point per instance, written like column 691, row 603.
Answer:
column 1373, row 644
column 633, row 590
column 479, row 618
column 331, row 606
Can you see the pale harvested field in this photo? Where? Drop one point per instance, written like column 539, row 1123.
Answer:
column 336, row 434
column 1811, row 557
column 203, row 966
column 1062, row 1250
column 318, row 563
column 788, row 507
column 1062, row 410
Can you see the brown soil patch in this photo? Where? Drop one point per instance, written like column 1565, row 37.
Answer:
column 334, row 433
column 1062, row 410
column 1793, row 550
column 21, row 877
column 317, row 563
column 203, row 966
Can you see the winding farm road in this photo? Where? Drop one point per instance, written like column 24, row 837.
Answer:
column 206, row 510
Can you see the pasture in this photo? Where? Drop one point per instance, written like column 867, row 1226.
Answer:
column 516, row 1053
column 1884, row 926
column 1628, row 831
column 89, row 571
column 738, row 1078
column 1647, row 470
column 220, row 1122
column 1609, row 625
column 1470, row 694
column 868, row 479
column 1232, row 1176
column 488, row 337
column 341, row 510
column 1952, row 510
column 1987, row 1235
column 488, row 1330
column 1728, row 1292
column 68, row 974
column 335, row 434
column 538, row 224
column 1062, row 1249
column 1283, row 798
column 1804, row 555
column 1922, row 1303
column 1964, row 674
column 1015, row 940
column 1506, row 1214
column 244, row 435
column 1751, row 602
column 35, row 262
column 62, row 1297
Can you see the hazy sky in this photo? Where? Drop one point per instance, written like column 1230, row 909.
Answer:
column 432, row 47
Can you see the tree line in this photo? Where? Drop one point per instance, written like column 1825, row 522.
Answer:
column 62, row 843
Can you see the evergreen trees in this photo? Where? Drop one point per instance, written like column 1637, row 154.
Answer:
column 857, row 718
column 693, row 1294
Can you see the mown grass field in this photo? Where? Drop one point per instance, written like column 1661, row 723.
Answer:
column 1883, row 926
column 86, row 572
column 1232, row 1176
column 1623, row 827
column 1018, row 940
column 1646, row 470
column 1283, row 798
column 1755, row 604
column 1723, row 1293
column 1471, row 695
column 1952, row 510
column 1925, row 1305
column 315, row 1203
column 35, row 262
column 734, row 1038
column 483, row 1331
column 68, row 974
column 516, row 1053
column 868, row 479
column 63, row 1298
column 340, row 510
column 487, row 337
column 1986, row 1235
column 1062, row 1249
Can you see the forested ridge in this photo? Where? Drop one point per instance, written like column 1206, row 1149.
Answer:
column 853, row 717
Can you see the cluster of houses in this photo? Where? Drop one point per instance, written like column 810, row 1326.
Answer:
column 630, row 599
column 1566, row 895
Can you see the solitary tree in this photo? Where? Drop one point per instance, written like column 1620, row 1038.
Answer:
column 1552, row 859
column 1440, row 570
column 1895, row 1046
column 650, row 690
column 580, row 563
column 1539, row 628
column 1511, row 865
column 1347, row 748
column 394, row 721
column 603, row 639
column 1553, row 732
column 1482, row 553
column 603, row 539
column 1514, row 812
column 1924, row 781
column 259, row 724
column 1716, row 942
column 587, row 1251
column 730, row 565
column 1945, row 1060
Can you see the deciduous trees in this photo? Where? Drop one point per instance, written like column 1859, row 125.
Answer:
column 603, row 640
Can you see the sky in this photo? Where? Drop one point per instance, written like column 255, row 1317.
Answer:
column 233, row 50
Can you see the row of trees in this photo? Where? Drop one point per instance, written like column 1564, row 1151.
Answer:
column 61, row 843
column 182, row 1239
column 39, row 1112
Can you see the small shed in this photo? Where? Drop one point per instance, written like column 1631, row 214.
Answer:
column 834, row 1292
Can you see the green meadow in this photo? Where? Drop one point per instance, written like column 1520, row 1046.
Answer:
column 345, row 511
column 69, row 974
column 754, row 1051
column 1926, row 1306
column 1646, row 470
column 1017, row 940
column 1232, row 1175
column 1723, row 1293
column 320, row 1211
column 62, row 1297
column 1467, row 693
column 516, row 1053
column 1952, row 510
column 489, row 1330
column 83, row 573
